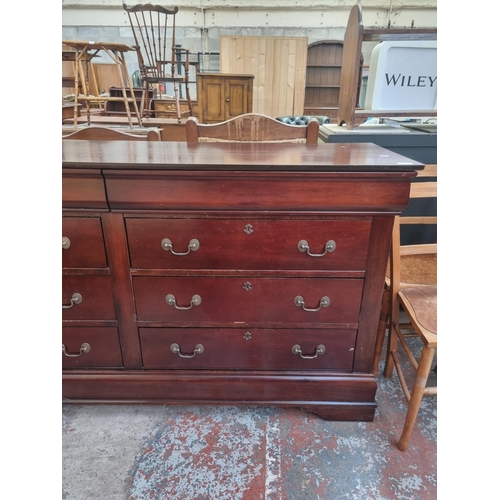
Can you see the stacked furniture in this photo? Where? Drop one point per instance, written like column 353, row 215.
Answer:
column 161, row 60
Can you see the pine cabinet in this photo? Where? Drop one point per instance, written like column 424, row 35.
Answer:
column 222, row 96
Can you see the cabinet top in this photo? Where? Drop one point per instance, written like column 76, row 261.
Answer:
column 354, row 157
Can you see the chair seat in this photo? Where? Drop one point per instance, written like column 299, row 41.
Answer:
column 422, row 301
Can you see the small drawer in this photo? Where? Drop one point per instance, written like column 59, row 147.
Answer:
column 248, row 244
column 87, row 298
column 82, row 243
column 247, row 349
column 247, row 300
column 91, row 347
column 83, row 188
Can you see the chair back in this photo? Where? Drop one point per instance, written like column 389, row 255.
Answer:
column 111, row 134
column 153, row 28
column 252, row 127
column 420, row 259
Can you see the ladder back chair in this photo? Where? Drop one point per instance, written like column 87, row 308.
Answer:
column 161, row 60
column 97, row 133
column 411, row 284
column 252, row 127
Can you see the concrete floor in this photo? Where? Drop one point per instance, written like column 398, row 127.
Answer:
column 247, row 453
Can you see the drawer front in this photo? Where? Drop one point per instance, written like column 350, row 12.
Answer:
column 83, row 243
column 245, row 300
column 91, row 347
column 83, row 188
column 96, row 298
column 242, row 349
column 248, row 244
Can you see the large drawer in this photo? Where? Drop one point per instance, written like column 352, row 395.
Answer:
column 87, row 298
column 247, row 300
column 241, row 349
column 91, row 347
column 83, row 243
column 248, row 244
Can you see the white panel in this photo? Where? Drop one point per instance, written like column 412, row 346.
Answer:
column 402, row 76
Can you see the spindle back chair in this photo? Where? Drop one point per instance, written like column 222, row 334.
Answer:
column 161, row 60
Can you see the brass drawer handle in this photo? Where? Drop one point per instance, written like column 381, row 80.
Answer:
column 66, row 243
column 319, row 350
column 84, row 349
column 75, row 299
column 299, row 302
column 166, row 244
column 303, row 246
column 198, row 349
column 195, row 301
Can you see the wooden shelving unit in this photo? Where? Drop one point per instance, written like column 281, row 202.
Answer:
column 354, row 37
column 324, row 66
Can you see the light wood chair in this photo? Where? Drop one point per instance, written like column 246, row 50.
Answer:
column 161, row 59
column 252, row 127
column 111, row 134
column 411, row 284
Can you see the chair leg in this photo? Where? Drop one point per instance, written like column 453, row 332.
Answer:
column 424, row 367
column 143, row 98
column 177, row 103
column 383, row 323
column 188, row 97
column 392, row 345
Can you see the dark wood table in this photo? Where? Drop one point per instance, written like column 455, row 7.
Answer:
column 226, row 274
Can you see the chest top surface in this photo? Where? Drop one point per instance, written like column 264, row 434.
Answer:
column 356, row 157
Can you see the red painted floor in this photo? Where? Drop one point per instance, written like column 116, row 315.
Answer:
column 247, row 453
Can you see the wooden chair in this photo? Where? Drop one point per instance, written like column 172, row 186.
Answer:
column 111, row 134
column 252, row 127
column 161, row 61
column 411, row 284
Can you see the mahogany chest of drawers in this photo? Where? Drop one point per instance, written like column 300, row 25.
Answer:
column 226, row 273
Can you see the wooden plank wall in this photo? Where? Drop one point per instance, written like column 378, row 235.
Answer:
column 279, row 67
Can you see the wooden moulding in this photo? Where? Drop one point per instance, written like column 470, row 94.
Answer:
column 334, row 396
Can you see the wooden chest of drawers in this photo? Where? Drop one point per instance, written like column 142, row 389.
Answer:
column 226, row 273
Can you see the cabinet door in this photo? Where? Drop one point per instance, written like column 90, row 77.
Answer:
column 213, row 99
column 236, row 91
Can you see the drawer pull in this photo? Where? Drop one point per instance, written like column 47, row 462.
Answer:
column 83, row 350
column 299, row 302
column 303, row 246
column 75, row 299
column 195, row 301
column 319, row 350
column 198, row 349
column 166, row 244
column 66, row 243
